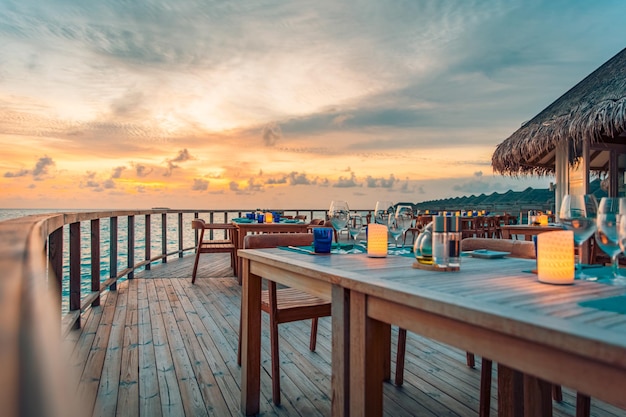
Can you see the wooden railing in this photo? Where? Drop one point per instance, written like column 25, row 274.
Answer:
column 32, row 267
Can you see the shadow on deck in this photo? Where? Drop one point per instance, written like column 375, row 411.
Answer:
column 161, row 346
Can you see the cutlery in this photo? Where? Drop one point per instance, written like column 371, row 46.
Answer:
column 300, row 249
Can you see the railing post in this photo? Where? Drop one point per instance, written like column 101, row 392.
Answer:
column 211, row 217
column 113, row 252
column 75, row 269
column 95, row 259
column 131, row 245
column 55, row 255
column 164, row 237
column 148, row 233
column 180, row 235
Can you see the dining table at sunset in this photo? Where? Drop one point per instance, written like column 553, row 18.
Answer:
column 573, row 335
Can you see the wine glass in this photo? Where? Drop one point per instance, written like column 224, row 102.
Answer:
column 607, row 232
column 338, row 214
column 404, row 218
column 578, row 214
column 621, row 234
column 382, row 211
column 355, row 225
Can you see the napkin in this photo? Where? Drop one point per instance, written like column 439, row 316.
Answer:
column 616, row 304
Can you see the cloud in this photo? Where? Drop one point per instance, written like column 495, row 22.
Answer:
column 117, row 172
column 142, row 170
column 108, row 184
column 279, row 180
column 38, row 172
column 341, row 119
column 379, row 182
column 183, row 156
column 17, row 174
column 271, row 134
column 344, row 182
column 296, row 178
column 41, row 167
column 200, row 184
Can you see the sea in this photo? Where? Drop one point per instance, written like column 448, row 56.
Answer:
column 156, row 246
column 105, row 244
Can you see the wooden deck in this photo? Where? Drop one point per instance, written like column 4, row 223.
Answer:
column 160, row 346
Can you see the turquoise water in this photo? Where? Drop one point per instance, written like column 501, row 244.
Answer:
column 122, row 245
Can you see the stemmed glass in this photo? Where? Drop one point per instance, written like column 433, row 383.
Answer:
column 621, row 235
column 355, row 225
column 578, row 214
column 399, row 222
column 338, row 214
column 382, row 211
column 607, row 231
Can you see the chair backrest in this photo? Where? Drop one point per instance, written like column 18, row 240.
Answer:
column 197, row 224
column 272, row 240
column 517, row 248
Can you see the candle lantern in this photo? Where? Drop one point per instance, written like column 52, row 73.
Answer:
column 377, row 240
column 555, row 257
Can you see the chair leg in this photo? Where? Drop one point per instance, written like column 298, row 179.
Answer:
column 583, row 405
column 557, row 393
column 470, row 359
column 233, row 263
column 484, row 406
column 313, row 341
column 275, row 360
column 401, row 351
column 195, row 267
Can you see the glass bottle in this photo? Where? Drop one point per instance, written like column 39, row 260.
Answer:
column 454, row 242
column 440, row 241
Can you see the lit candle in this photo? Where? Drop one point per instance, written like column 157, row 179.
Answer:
column 555, row 257
column 377, row 240
column 543, row 219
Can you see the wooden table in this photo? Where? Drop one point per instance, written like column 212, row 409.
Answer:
column 244, row 228
column 490, row 308
column 508, row 231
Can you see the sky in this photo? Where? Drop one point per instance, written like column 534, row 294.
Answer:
column 200, row 104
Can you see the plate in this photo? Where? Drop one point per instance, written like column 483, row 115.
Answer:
column 489, row 254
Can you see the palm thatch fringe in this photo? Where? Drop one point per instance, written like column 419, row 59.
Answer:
column 592, row 110
column 607, row 118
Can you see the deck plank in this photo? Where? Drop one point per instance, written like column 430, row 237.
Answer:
column 160, row 346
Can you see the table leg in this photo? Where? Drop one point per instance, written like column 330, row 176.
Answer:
column 520, row 394
column 510, row 392
column 537, row 397
column 340, row 370
column 251, row 341
column 368, row 350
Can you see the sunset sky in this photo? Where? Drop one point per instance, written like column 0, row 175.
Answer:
column 279, row 103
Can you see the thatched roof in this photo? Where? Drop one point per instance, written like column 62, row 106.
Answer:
column 594, row 109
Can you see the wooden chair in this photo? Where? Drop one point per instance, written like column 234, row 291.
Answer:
column 285, row 304
column 518, row 249
column 214, row 246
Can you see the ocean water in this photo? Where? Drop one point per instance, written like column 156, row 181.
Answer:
column 122, row 244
